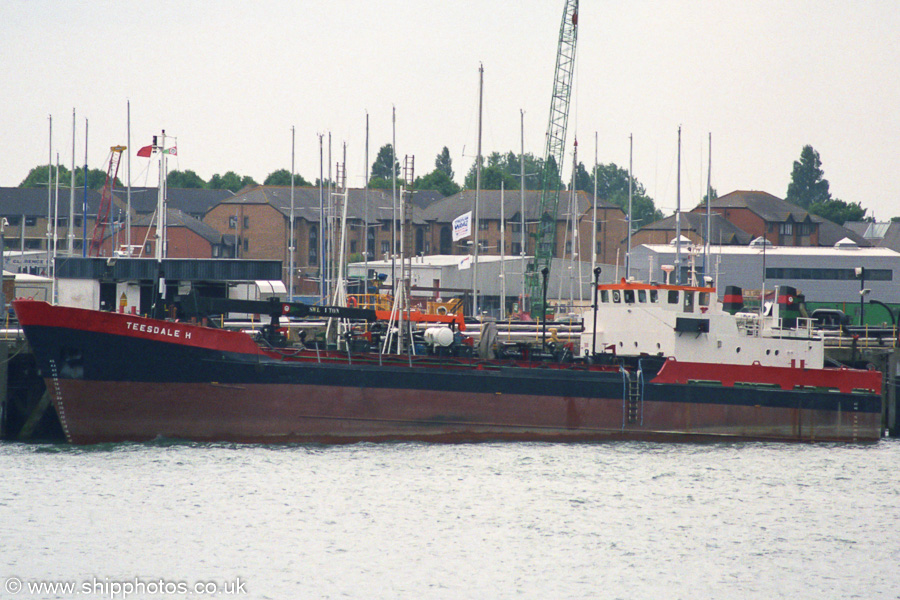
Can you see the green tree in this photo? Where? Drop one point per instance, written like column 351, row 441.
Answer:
column 437, row 180
column 838, row 211
column 37, row 177
column 612, row 186
column 230, row 181
column 283, row 177
column 444, row 164
column 583, row 179
column 381, row 168
column 184, row 179
column 379, row 183
column 808, row 185
column 499, row 167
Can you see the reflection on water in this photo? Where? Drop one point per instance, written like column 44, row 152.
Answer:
column 612, row 520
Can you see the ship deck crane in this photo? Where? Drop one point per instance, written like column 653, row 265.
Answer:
column 545, row 236
column 112, row 171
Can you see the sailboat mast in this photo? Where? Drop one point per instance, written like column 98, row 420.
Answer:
column 522, row 236
column 70, row 229
column 594, row 220
column 50, row 197
column 630, row 226
column 678, row 217
column 291, row 228
column 477, row 194
column 84, row 200
column 128, row 197
column 708, row 213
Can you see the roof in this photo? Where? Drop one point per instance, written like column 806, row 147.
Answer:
column 891, row 237
column 770, row 208
column 831, row 233
column 722, row 231
column 783, row 250
column 306, row 202
column 32, row 202
column 194, row 201
column 444, row 211
column 177, row 218
column 444, row 260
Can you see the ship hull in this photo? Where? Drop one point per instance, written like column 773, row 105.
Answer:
column 122, row 378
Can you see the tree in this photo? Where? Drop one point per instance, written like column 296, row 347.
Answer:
column 443, row 163
column 838, row 211
column 612, row 186
column 381, row 168
column 230, row 181
column 437, row 180
column 506, row 167
column 583, row 179
column 184, row 179
column 283, row 177
column 807, row 185
column 37, row 178
column 379, row 183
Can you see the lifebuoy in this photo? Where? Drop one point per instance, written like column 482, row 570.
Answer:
column 442, row 310
column 351, row 302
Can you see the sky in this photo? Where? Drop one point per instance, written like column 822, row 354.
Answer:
column 230, row 79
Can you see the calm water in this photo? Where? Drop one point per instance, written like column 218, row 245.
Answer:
column 617, row 520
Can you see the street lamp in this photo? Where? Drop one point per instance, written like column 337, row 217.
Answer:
column 861, row 275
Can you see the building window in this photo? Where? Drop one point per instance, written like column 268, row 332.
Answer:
column 313, row 245
column 569, row 247
column 516, row 248
column 14, row 220
column 599, row 226
column 78, row 221
column 785, row 228
column 148, row 248
column 232, row 222
column 385, row 225
column 246, row 244
column 352, row 246
column 800, row 273
column 370, row 242
column 599, row 248
column 484, row 225
column 32, row 244
column 246, row 222
column 385, row 247
column 30, row 221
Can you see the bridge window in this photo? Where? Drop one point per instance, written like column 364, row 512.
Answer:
column 673, row 296
column 642, row 296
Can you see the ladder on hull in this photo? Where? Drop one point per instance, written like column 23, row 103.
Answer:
column 632, row 397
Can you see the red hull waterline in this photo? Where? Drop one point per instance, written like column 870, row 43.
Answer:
column 99, row 412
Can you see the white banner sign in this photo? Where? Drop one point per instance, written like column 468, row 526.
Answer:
column 465, row 263
column 462, row 226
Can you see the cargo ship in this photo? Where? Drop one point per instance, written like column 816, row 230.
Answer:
column 655, row 362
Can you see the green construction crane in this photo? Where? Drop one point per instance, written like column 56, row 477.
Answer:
column 545, row 236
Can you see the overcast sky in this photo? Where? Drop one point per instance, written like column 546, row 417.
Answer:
column 229, row 79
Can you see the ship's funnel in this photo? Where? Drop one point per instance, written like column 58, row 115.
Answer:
column 788, row 305
column 733, row 300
